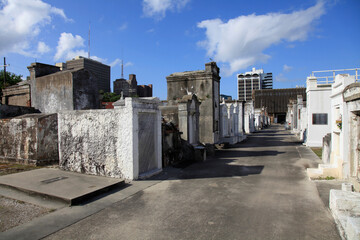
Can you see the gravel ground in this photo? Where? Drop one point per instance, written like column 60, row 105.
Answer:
column 14, row 213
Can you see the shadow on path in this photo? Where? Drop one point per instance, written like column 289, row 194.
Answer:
column 213, row 168
column 242, row 153
column 225, row 163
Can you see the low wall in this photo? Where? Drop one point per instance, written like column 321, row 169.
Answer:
column 124, row 142
column 29, row 139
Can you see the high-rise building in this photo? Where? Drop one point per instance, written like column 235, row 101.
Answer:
column 254, row 80
column 100, row 70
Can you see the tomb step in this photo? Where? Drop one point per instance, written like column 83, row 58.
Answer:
column 68, row 187
column 322, row 171
column 323, row 166
column 314, row 172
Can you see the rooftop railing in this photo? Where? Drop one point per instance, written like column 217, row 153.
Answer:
column 330, row 79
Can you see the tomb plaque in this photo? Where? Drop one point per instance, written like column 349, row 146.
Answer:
column 147, row 136
column 320, row 119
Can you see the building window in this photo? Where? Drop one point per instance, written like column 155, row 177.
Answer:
column 320, row 119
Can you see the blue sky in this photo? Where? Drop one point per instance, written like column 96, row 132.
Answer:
column 158, row 37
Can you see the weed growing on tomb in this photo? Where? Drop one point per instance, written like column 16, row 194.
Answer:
column 326, row 178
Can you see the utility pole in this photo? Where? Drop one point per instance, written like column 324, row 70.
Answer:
column 5, row 69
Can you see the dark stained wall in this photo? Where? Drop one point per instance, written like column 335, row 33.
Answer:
column 85, row 90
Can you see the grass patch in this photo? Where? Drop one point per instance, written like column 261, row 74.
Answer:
column 9, row 168
column 317, row 151
column 326, row 178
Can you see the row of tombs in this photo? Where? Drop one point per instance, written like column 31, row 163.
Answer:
column 98, row 142
column 330, row 118
column 139, row 136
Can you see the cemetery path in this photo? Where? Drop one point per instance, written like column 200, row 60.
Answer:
column 257, row 189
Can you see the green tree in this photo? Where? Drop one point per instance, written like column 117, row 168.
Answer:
column 110, row 97
column 11, row 79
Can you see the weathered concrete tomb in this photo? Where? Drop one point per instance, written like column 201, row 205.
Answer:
column 231, row 122
column 29, row 139
column 17, row 95
column 124, row 142
column 184, row 114
column 249, row 117
column 180, row 134
column 206, row 85
column 53, row 90
column 351, row 122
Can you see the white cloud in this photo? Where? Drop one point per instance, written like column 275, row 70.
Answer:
column 240, row 42
column 158, row 8
column 70, row 46
column 21, row 21
column 73, row 54
column 67, row 45
column 99, row 59
column 123, row 26
column 128, row 64
column 117, row 62
column 42, row 48
column 281, row 78
column 287, row 68
column 61, row 13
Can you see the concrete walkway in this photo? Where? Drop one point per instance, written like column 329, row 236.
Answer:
column 255, row 190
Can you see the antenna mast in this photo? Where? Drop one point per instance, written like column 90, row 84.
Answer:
column 89, row 42
column 122, row 68
column 122, row 63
